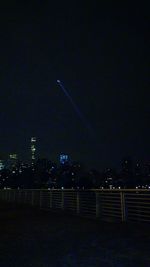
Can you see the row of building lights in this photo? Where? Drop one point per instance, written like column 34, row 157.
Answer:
column 14, row 157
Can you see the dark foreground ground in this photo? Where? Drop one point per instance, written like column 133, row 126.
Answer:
column 42, row 239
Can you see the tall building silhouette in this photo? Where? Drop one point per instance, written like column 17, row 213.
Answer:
column 2, row 165
column 12, row 161
column 33, row 148
column 63, row 158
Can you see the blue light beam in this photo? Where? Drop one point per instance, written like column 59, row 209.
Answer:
column 77, row 110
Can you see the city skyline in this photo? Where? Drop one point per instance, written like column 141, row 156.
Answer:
column 34, row 156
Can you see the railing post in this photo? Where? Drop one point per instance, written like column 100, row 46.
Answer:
column 33, row 198
column 19, row 196
column 40, row 198
column 10, row 194
column 122, row 199
column 62, row 200
column 6, row 198
column 14, row 199
column 97, row 204
column 78, row 202
column 51, row 199
column 26, row 194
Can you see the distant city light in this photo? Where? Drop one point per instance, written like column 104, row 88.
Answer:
column 33, row 139
column 64, row 158
column 33, row 148
column 2, row 166
column 13, row 156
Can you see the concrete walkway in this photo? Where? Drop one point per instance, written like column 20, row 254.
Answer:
column 35, row 238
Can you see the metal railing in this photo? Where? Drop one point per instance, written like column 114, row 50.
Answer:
column 106, row 204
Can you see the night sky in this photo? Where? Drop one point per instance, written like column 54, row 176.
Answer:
column 100, row 53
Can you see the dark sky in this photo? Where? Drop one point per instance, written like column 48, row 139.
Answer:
column 100, row 53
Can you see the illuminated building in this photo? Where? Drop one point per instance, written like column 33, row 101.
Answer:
column 12, row 161
column 63, row 158
column 13, row 156
column 127, row 172
column 138, row 169
column 1, row 165
column 33, row 148
column 127, row 166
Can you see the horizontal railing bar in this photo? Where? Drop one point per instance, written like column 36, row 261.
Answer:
column 112, row 215
column 112, row 203
column 111, row 208
column 82, row 190
column 140, row 215
column 135, row 204
column 137, row 198
column 87, row 208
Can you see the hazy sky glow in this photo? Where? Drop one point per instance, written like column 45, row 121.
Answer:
column 100, row 53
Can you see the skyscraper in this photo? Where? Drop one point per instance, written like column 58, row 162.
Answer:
column 2, row 165
column 12, row 160
column 63, row 158
column 33, row 148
